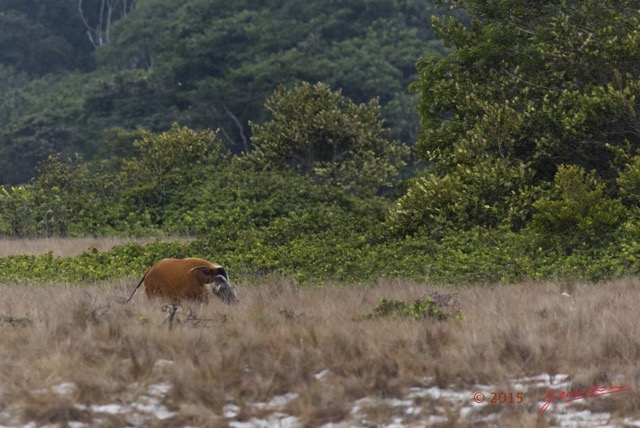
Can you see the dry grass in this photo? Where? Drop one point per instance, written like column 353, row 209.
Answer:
column 66, row 246
column 311, row 342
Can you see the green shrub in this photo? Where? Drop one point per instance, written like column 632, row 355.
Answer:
column 576, row 213
column 425, row 308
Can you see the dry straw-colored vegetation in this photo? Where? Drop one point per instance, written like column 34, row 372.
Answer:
column 279, row 338
column 65, row 246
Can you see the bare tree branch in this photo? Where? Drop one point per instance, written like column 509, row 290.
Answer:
column 100, row 33
column 245, row 142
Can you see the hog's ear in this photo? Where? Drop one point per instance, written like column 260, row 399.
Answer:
column 204, row 269
column 220, row 271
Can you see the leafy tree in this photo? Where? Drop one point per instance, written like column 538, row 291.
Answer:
column 318, row 132
column 530, row 85
column 17, row 213
column 180, row 182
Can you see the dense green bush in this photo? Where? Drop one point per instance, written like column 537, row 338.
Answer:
column 320, row 133
column 576, row 212
column 489, row 193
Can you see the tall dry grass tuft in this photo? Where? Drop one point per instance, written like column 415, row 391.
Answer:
column 67, row 350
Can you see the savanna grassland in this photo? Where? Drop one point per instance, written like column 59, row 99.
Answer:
column 307, row 356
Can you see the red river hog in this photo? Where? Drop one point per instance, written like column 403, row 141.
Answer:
column 187, row 279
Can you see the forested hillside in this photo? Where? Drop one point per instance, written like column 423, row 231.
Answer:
column 279, row 137
column 73, row 73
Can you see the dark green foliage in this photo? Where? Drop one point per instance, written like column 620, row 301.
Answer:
column 129, row 100
column 43, row 36
column 41, row 118
column 169, row 164
column 319, row 243
column 65, row 200
column 629, row 182
column 226, row 58
column 207, row 64
column 33, row 140
column 257, row 222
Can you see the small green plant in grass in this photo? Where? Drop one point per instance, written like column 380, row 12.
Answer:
column 432, row 307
